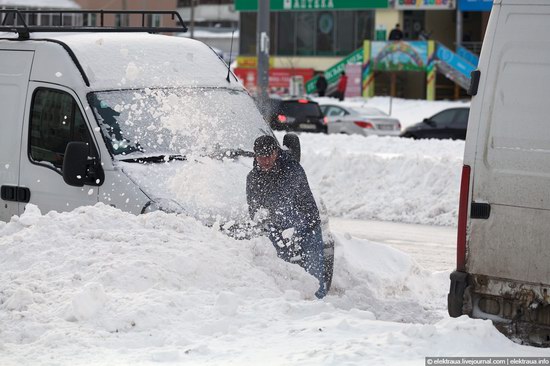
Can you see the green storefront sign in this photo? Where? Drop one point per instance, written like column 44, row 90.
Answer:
column 333, row 73
column 312, row 5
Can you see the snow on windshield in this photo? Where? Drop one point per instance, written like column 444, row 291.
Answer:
column 178, row 121
column 212, row 190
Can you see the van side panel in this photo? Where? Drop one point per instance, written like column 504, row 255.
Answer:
column 512, row 163
column 15, row 68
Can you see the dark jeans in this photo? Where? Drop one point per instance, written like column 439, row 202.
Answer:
column 305, row 248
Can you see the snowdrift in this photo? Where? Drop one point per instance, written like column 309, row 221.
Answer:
column 385, row 178
column 98, row 286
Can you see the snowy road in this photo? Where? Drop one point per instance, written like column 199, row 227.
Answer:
column 433, row 247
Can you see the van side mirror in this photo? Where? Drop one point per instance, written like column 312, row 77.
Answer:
column 74, row 163
column 292, row 141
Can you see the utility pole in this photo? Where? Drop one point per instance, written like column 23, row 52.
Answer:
column 192, row 31
column 459, row 29
column 262, row 50
column 125, row 21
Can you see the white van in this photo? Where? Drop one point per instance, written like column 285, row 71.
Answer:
column 503, row 247
column 137, row 121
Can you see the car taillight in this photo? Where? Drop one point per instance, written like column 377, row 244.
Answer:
column 281, row 118
column 462, row 219
column 304, row 101
column 364, row 124
column 325, row 120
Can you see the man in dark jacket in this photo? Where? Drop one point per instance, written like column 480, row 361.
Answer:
column 278, row 185
column 396, row 34
column 321, row 84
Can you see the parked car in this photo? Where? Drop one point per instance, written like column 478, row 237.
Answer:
column 360, row 120
column 295, row 114
column 448, row 124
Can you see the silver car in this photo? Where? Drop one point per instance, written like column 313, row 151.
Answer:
column 364, row 121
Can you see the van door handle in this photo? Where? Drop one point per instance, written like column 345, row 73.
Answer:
column 15, row 194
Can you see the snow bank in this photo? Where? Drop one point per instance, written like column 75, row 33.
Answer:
column 98, row 286
column 385, row 178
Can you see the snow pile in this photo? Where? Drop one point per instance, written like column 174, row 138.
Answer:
column 385, row 178
column 98, row 286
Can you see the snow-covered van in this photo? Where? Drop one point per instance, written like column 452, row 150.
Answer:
column 137, row 121
column 503, row 246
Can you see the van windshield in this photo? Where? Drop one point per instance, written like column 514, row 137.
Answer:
column 177, row 121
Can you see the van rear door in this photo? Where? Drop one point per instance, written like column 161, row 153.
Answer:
column 512, row 161
column 15, row 68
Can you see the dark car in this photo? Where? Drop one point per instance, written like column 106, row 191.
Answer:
column 296, row 115
column 448, row 124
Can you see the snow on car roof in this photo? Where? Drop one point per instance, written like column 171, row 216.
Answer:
column 139, row 60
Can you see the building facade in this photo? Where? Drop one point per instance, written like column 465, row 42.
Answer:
column 319, row 34
column 130, row 20
column 41, row 19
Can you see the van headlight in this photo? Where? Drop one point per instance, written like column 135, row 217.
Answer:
column 164, row 205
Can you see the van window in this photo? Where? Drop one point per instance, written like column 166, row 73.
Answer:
column 55, row 121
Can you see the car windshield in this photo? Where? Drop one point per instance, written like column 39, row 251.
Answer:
column 365, row 111
column 176, row 122
column 298, row 110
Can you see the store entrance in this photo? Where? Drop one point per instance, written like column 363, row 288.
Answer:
column 414, row 23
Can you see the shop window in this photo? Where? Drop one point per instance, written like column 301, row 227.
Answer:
column 325, row 33
column 305, row 33
column 248, row 34
column 285, row 33
column 365, row 27
column 345, row 33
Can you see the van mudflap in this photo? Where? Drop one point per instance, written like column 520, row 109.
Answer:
column 455, row 298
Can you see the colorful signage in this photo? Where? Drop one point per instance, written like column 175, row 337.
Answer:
column 332, row 74
column 423, row 4
column 279, row 79
column 468, row 55
column 250, row 62
column 455, row 61
column 312, row 5
column 475, row 5
column 399, row 56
